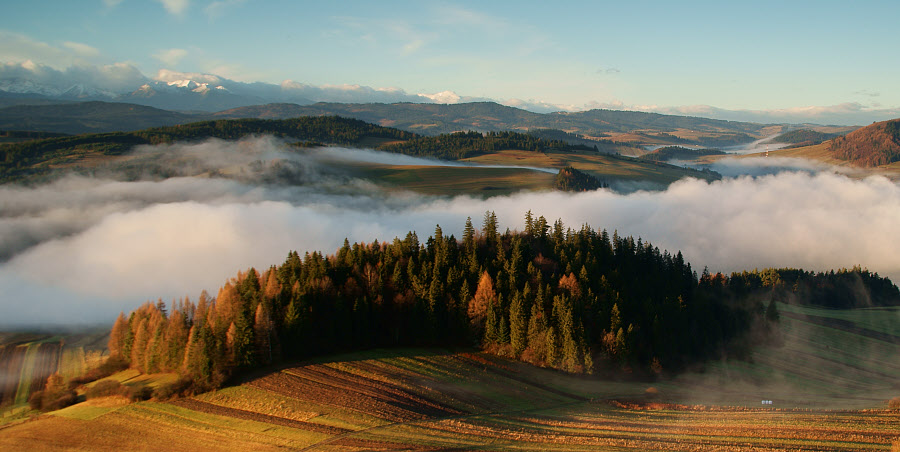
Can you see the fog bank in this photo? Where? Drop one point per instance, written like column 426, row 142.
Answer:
column 82, row 249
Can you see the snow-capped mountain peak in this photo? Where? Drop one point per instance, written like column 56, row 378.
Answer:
column 180, row 86
column 443, row 97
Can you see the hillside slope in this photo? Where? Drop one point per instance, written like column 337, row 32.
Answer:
column 828, row 380
column 89, row 117
column 874, row 145
column 433, row 119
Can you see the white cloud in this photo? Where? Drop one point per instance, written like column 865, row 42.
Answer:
column 18, row 48
column 170, row 57
column 175, row 7
column 413, row 46
column 350, row 93
column 168, row 75
column 82, row 50
column 113, row 78
column 218, row 8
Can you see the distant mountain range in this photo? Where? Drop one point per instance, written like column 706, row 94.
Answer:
column 89, row 117
column 188, row 92
column 30, row 83
column 426, row 119
column 208, row 94
column 432, row 119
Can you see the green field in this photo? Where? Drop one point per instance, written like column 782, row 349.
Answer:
column 490, row 181
column 829, row 376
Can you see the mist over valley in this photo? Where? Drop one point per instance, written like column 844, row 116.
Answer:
column 456, row 225
column 101, row 245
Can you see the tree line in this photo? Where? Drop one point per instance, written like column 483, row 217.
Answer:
column 460, row 145
column 19, row 159
column 568, row 299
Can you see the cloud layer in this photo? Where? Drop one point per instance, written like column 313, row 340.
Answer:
column 86, row 248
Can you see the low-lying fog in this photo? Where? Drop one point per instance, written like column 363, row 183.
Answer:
column 81, row 249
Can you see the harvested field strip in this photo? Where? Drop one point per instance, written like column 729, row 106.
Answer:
column 709, row 431
column 115, row 432
column 506, row 372
column 46, row 362
column 72, row 362
column 190, row 420
column 299, row 388
column 827, row 341
column 83, row 412
column 402, row 399
column 445, row 396
column 249, row 398
column 705, row 425
column 457, row 391
column 363, row 444
column 11, row 359
column 219, row 410
column 25, row 377
column 881, row 320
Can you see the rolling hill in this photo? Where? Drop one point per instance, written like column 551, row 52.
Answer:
column 89, row 117
column 106, row 152
column 875, row 148
column 433, row 119
column 611, row 131
column 874, row 145
column 828, row 381
column 804, row 137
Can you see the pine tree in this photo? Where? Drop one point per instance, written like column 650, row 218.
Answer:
column 141, row 341
column 263, row 332
column 553, row 348
column 529, row 224
column 518, row 325
column 176, row 340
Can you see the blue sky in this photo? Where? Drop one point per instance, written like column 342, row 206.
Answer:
column 651, row 54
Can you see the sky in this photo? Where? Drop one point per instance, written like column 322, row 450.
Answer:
column 673, row 57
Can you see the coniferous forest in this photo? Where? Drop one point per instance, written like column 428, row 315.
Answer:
column 577, row 300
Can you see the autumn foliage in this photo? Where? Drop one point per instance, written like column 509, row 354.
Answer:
column 874, row 145
column 552, row 296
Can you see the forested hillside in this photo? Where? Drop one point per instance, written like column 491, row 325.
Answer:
column 553, row 296
column 804, row 137
column 19, row 159
column 570, row 179
column 434, row 119
column 90, row 117
column 877, row 144
column 460, row 145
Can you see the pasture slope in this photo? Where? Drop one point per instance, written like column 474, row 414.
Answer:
column 829, row 375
